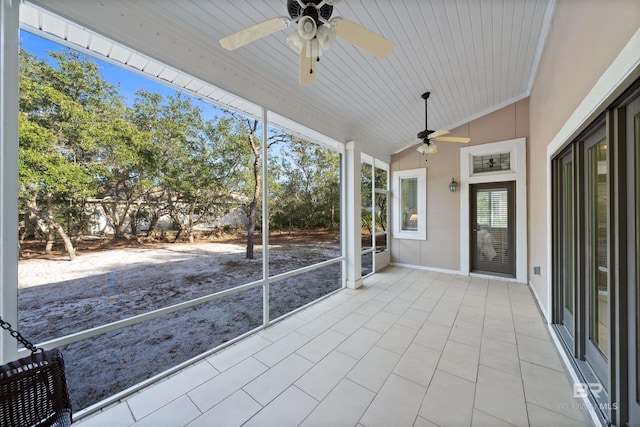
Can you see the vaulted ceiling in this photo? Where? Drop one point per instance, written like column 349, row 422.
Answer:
column 475, row 56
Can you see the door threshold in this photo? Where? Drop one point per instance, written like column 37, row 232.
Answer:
column 496, row 276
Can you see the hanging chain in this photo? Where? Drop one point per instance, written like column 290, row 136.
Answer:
column 17, row 335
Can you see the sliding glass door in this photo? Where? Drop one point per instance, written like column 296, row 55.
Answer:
column 633, row 291
column 596, row 257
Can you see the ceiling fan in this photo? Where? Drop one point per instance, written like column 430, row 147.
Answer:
column 428, row 137
column 316, row 32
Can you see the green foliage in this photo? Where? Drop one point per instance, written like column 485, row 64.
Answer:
column 82, row 146
column 306, row 186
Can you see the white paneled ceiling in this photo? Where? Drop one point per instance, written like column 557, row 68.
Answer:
column 475, row 56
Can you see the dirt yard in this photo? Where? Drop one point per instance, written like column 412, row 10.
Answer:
column 103, row 284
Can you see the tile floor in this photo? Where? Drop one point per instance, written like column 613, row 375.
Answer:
column 410, row 348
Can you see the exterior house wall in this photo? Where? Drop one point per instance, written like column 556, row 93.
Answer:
column 441, row 249
column 585, row 38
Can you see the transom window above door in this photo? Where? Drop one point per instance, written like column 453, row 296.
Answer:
column 486, row 163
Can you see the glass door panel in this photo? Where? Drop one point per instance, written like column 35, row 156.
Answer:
column 597, row 200
column 599, row 283
column 567, row 266
column 633, row 130
column 636, row 312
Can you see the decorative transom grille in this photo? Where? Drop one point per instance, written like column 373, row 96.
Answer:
column 491, row 163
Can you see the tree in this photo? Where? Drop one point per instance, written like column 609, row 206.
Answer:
column 59, row 109
column 366, row 195
column 200, row 165
column 307, row 194
column 125, row 163
column 248, row 132
column 251, row 127
column 146, row 116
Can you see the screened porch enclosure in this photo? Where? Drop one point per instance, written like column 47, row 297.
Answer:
column 272, row 242
column 239, row 249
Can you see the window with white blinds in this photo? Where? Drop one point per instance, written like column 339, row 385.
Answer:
column 409, row 201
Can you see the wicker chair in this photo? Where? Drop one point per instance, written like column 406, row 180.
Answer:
column 33, row 392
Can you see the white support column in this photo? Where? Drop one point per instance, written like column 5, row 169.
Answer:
column 352, row 235
column 9, row 46
column 265, row 218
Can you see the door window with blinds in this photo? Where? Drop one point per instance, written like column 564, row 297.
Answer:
column 410, row 204
column 492, row 223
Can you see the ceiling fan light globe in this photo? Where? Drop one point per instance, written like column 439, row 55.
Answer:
column 427, row 148
column 307, row 28
column 295, row 42
column 326, row 36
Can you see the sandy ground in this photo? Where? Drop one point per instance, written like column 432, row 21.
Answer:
column 57, row 297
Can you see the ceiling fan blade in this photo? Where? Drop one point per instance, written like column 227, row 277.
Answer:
column 452, row 139
column 413, row 144
column 307, row 65
column 253, row 33
column 363, row 38
column 437, row 134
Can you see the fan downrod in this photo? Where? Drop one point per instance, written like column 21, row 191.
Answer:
column 426, row 132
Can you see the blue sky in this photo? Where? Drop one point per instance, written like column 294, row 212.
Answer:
column 128, row 82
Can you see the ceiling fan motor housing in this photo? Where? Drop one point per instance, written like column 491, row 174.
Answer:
column 296, row 11
column 425, row 133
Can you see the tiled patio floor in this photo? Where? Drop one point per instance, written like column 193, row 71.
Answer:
column 410, row 348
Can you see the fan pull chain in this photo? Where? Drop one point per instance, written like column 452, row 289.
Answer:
column 311, row 55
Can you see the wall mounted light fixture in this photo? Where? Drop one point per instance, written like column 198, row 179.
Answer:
column 453, row 185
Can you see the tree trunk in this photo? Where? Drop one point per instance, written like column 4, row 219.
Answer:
column 178, row 233
column 50, row 240
column 68, row 245
column 52, row 225
column 50, row 236
column 115, row 220
column 114, row 215
column 253, row 206
column 251, row 229
column 135, row 216
column 153, row 223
